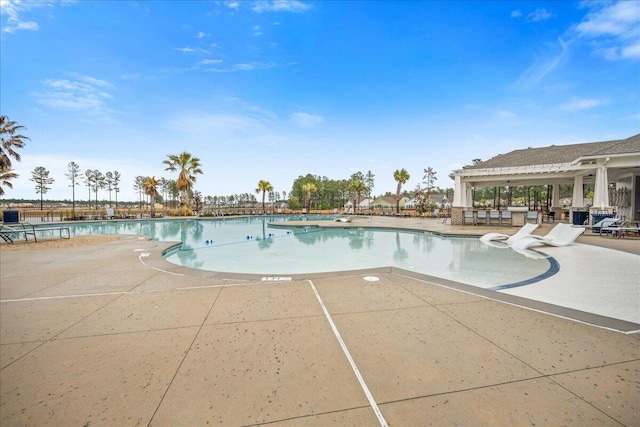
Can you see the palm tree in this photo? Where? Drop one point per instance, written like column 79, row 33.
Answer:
column 307, row 189
column 401, row 176
column 10, row 141
column 187, row 167
column 150, row 187
column 5, row 177
column 264, row 186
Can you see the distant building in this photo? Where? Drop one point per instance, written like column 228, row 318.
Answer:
column 387, row 203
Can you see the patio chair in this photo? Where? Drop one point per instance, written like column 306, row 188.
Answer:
column 494, row 217
column 435, row 213
column 525, row 230
column 605, row 222
column 110, row 214
column 482, row 218
column 506, row 216
column 620, row 229
column 560, row 235
column 533, row 215
column 345, row 219
column 467, row 216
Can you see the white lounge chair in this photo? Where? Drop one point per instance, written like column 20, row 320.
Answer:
column 560, row 235
column 525, row 230
column 345, row 219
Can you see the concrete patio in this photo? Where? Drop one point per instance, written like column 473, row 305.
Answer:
column 108, row 333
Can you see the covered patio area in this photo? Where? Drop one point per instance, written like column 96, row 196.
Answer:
column 613, row 167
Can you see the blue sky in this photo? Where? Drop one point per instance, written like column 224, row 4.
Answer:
column 277, row 89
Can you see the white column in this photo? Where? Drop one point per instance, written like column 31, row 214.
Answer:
column 459, row 193
column 578, row 193
column 555, row 197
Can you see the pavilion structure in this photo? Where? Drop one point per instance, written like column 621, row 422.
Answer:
column 612, row 166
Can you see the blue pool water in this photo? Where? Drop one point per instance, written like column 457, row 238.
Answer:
column 250, row 245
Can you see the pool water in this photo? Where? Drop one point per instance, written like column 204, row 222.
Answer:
column 250, row 245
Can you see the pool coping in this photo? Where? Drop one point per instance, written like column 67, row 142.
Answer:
column 154, row 258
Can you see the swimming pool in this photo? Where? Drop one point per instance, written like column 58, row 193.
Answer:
column 250, row 245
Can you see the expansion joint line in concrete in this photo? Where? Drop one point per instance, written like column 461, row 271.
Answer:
column 549, row 377
column 186, row 354
column 352, row 362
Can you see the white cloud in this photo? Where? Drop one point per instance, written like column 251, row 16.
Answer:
column 631, row 51
column 212, row 65
column 13, row 9
column 210, row 61
column 257, row 31
column 305, row 119
column 583, row 104
column 539, row 15
column 281, row 6
column 250, row 66
column 232, row 5
column 28, row 25
column 516, row 14
column 613, row 29
column 504, row 114
column 237, row 120
column 82, row 94
column 196, row 50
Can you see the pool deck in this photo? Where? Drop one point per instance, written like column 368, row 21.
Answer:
column 110, row 334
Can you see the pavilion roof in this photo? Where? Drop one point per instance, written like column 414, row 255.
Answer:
column 555, row 154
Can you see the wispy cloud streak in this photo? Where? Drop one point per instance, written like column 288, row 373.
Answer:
column 542, row 67
column 281, row 6
column 81, row 94
column 583, row 104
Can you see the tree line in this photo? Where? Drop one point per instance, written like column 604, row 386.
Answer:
column 307, row 191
